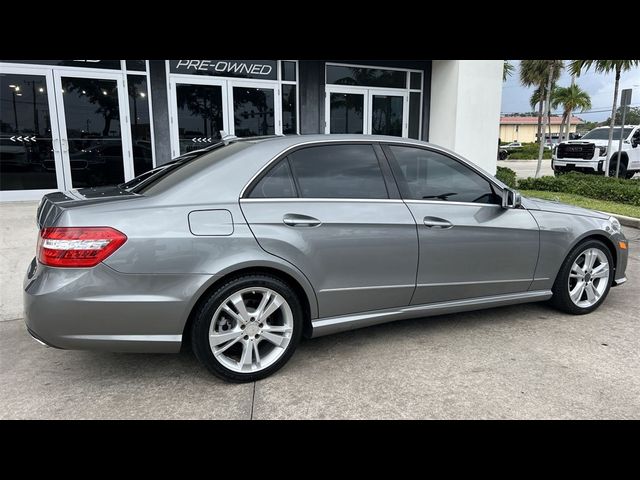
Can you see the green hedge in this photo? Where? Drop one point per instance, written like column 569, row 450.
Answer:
column 528, row 151
column 506, row 176
column 593, row 186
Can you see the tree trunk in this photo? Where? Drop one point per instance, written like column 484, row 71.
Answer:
column 561, row 133
column 613, row 121
column 540, row 113
column 544, row 127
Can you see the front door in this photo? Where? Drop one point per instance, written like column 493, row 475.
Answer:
column 30, row 155
column 95, row 138
column 204, row 107
column 369, row 111
column 331, row 212
column 469, row 246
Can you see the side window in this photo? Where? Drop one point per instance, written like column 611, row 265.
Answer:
column 428, row 175
column 277, row 183
column 338, row 171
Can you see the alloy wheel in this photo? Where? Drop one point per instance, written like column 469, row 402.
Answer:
column 588, row 278
column 251, row 329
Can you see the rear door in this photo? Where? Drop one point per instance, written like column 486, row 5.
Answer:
column 333, row 211
column 469, row 245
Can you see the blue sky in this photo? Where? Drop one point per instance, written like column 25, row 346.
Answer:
column 515, row 98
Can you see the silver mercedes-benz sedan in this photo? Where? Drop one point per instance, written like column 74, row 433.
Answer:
column 242, row 248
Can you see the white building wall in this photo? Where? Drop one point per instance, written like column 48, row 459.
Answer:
column 465, row 108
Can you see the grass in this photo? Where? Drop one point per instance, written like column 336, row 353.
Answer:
column 580, row 201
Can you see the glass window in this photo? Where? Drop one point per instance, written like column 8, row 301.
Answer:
column 253, row 111
column 288, row 71
column 414, row 115
column 92, row 117
column 137, row 65
column 346, row 115
column 386, row 113
column 338, row 171
column 140, row 123
column 289, row 113
column 415, row 81
column 199, row 115
column 603, row 134
column 428, row 175
column 368, row 77
column 26, row 147
column 278, row 183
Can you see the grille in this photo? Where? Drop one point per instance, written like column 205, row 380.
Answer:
column 573, row 150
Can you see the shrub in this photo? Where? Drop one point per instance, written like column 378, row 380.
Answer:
column 528, row 151
column 593, row 186
column 506, row 176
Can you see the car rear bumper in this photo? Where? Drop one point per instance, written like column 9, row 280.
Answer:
column 101, row 309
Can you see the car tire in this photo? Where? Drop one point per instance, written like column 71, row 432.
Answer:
column 630, row 175
column 213, row 322
column 622, row 172
column 562, row 286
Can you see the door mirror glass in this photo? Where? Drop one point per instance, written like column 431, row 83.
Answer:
column 511, row 199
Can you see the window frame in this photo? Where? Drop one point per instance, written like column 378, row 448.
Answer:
column 393, row 193
column 403, row 188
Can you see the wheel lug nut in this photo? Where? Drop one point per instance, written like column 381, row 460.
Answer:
column 261, row 325
column 246, row 337
column 257, row 335
column 242, row 327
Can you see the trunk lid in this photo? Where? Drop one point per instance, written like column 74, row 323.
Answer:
column 53, row 204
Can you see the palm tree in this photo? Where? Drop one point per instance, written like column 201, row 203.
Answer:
column 606, row 66
column 570, row 98
column 507, row 70
column 542, row 74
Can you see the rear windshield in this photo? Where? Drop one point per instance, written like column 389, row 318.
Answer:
column 603, row 134
column 187, row 165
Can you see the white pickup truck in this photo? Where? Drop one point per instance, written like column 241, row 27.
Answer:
column 589, row 153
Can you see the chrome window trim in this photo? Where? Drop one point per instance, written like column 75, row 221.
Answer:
column 327, row 200
column 445, row 202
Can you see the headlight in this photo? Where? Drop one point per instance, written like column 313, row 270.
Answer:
column 603, row 151
column 615, row 224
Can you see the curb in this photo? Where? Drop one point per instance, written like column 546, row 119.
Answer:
column 626, row 221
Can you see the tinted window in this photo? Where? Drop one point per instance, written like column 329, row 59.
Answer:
column 278, row 183
column 338, row 171
column 603, row 134
column 430, row 175
column 370, row 77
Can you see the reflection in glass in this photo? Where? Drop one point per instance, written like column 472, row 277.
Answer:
column 140, row 123
column 346, row 114
column 289, row 114
column 199, row 115
column 387, row 115
column 415, row 81
column 26, row 150
column 139, row 65
column 367, row 77
column 414, row 115
column 253, row 111
column 92, row 117
column 288, row 71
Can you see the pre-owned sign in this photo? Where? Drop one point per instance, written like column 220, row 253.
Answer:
column 264, row 69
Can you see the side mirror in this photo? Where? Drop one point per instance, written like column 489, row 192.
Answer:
column 635, row 142
column 511, row 199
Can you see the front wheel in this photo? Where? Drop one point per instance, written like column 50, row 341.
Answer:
column 622, row 172
column 248, row 328
column 584, row 280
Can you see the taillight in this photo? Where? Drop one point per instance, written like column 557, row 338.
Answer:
column 77, row 247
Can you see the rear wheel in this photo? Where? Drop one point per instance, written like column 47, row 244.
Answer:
column 584, row 280
column 248, row 328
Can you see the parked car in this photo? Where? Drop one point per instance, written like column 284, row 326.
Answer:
column 245, row 247
column 512, row 145
column 589, row 153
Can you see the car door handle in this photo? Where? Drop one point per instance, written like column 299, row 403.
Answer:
column 295, row 220
column 435, row 222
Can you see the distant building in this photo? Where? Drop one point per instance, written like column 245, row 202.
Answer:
column 525, row 129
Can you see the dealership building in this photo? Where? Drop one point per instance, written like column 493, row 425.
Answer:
column 78, row 123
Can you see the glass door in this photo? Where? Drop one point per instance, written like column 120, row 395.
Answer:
column 30, row 157
column 252, row 107
column 94, row 128
column 199, row 113
column 369, row 111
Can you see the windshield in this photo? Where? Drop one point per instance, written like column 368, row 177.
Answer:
column 603, row 134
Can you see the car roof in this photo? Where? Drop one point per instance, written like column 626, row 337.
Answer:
column 291, row 140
